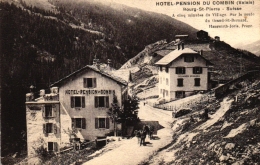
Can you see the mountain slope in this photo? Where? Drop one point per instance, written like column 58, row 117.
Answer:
column 252, row 47
column 229, row 136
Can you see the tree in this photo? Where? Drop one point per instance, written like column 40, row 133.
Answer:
column 115, row 112
column 130, row 110
column 127, row 115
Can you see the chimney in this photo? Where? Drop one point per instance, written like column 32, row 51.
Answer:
column 42, row 92
column 182, row 45
column 30, row 96
column 94, row 62
column 97, row 64
column 109, row 64
column 178, row 46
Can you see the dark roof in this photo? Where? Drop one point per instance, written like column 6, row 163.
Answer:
column 164, row 52
column 94, row 68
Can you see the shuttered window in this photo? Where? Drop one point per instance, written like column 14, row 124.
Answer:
column 77, row 102
column 50, row 128
column 78, row 123
column 197, row 82
column 166, row 69
column 49, row 111
column 197, row 70
column 180, row 82
column 53, row 146
column 101, row 101
column 89, row 82
column 102, row 122
column 180, row 94
column 180, row 70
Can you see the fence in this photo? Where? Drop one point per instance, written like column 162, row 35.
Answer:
column 220, row 91
column 190, row 103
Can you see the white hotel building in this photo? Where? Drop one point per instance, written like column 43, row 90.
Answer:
column 181, row 73
column 79, row 101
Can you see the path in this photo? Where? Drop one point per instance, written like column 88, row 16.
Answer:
column 129, row 152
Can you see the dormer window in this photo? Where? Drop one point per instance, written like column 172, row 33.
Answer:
column 90, row 83
column 189, row 58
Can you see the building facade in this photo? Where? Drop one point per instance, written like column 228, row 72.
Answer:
column 76, row 108
column 181, row 73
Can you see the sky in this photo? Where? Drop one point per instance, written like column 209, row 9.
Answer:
column 232, row 36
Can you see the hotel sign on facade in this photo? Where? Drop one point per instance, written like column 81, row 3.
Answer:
column 89, row 92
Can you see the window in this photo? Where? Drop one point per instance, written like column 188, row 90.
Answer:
column 180, row 94
column 189, row 59
column 197, row 70
column 49, row 128
column 78, row 123
column 77, row 102
column 52, row 146
column 180, row 70
column 101, row 101
column 180, row 82
column 166, row 92
column 90, row 83
column 166, row 69
column 197, row 82
column 167, row 81
column 49, row 111
column 102, row 122
column 160, row 68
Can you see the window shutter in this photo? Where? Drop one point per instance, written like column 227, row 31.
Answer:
column 94, row 82
column 184, row 70
column 194, row 71
column 54, row 110
column 55, row 129
column 96, row 102
column 83, row 102
column 43, row 111
column 107, row 123
column 85, row 83
column 44, row 128
column 176, row 70
column 55, row 146
column 201, row 69
column 73, row 124
column 96, row 123
column 72, row 101
column 107, row 101
column 83, row 123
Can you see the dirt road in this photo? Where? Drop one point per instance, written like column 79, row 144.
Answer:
column 128, row 152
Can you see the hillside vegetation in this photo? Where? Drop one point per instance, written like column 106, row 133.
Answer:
column 229, row 136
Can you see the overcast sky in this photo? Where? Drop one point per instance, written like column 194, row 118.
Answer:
column 233, row 36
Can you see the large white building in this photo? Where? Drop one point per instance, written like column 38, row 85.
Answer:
column 78, row 102
column 181, row 73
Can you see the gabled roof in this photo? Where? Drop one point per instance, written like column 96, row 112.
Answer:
column 94, row 68
column 177, row 53
column 173, row 55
